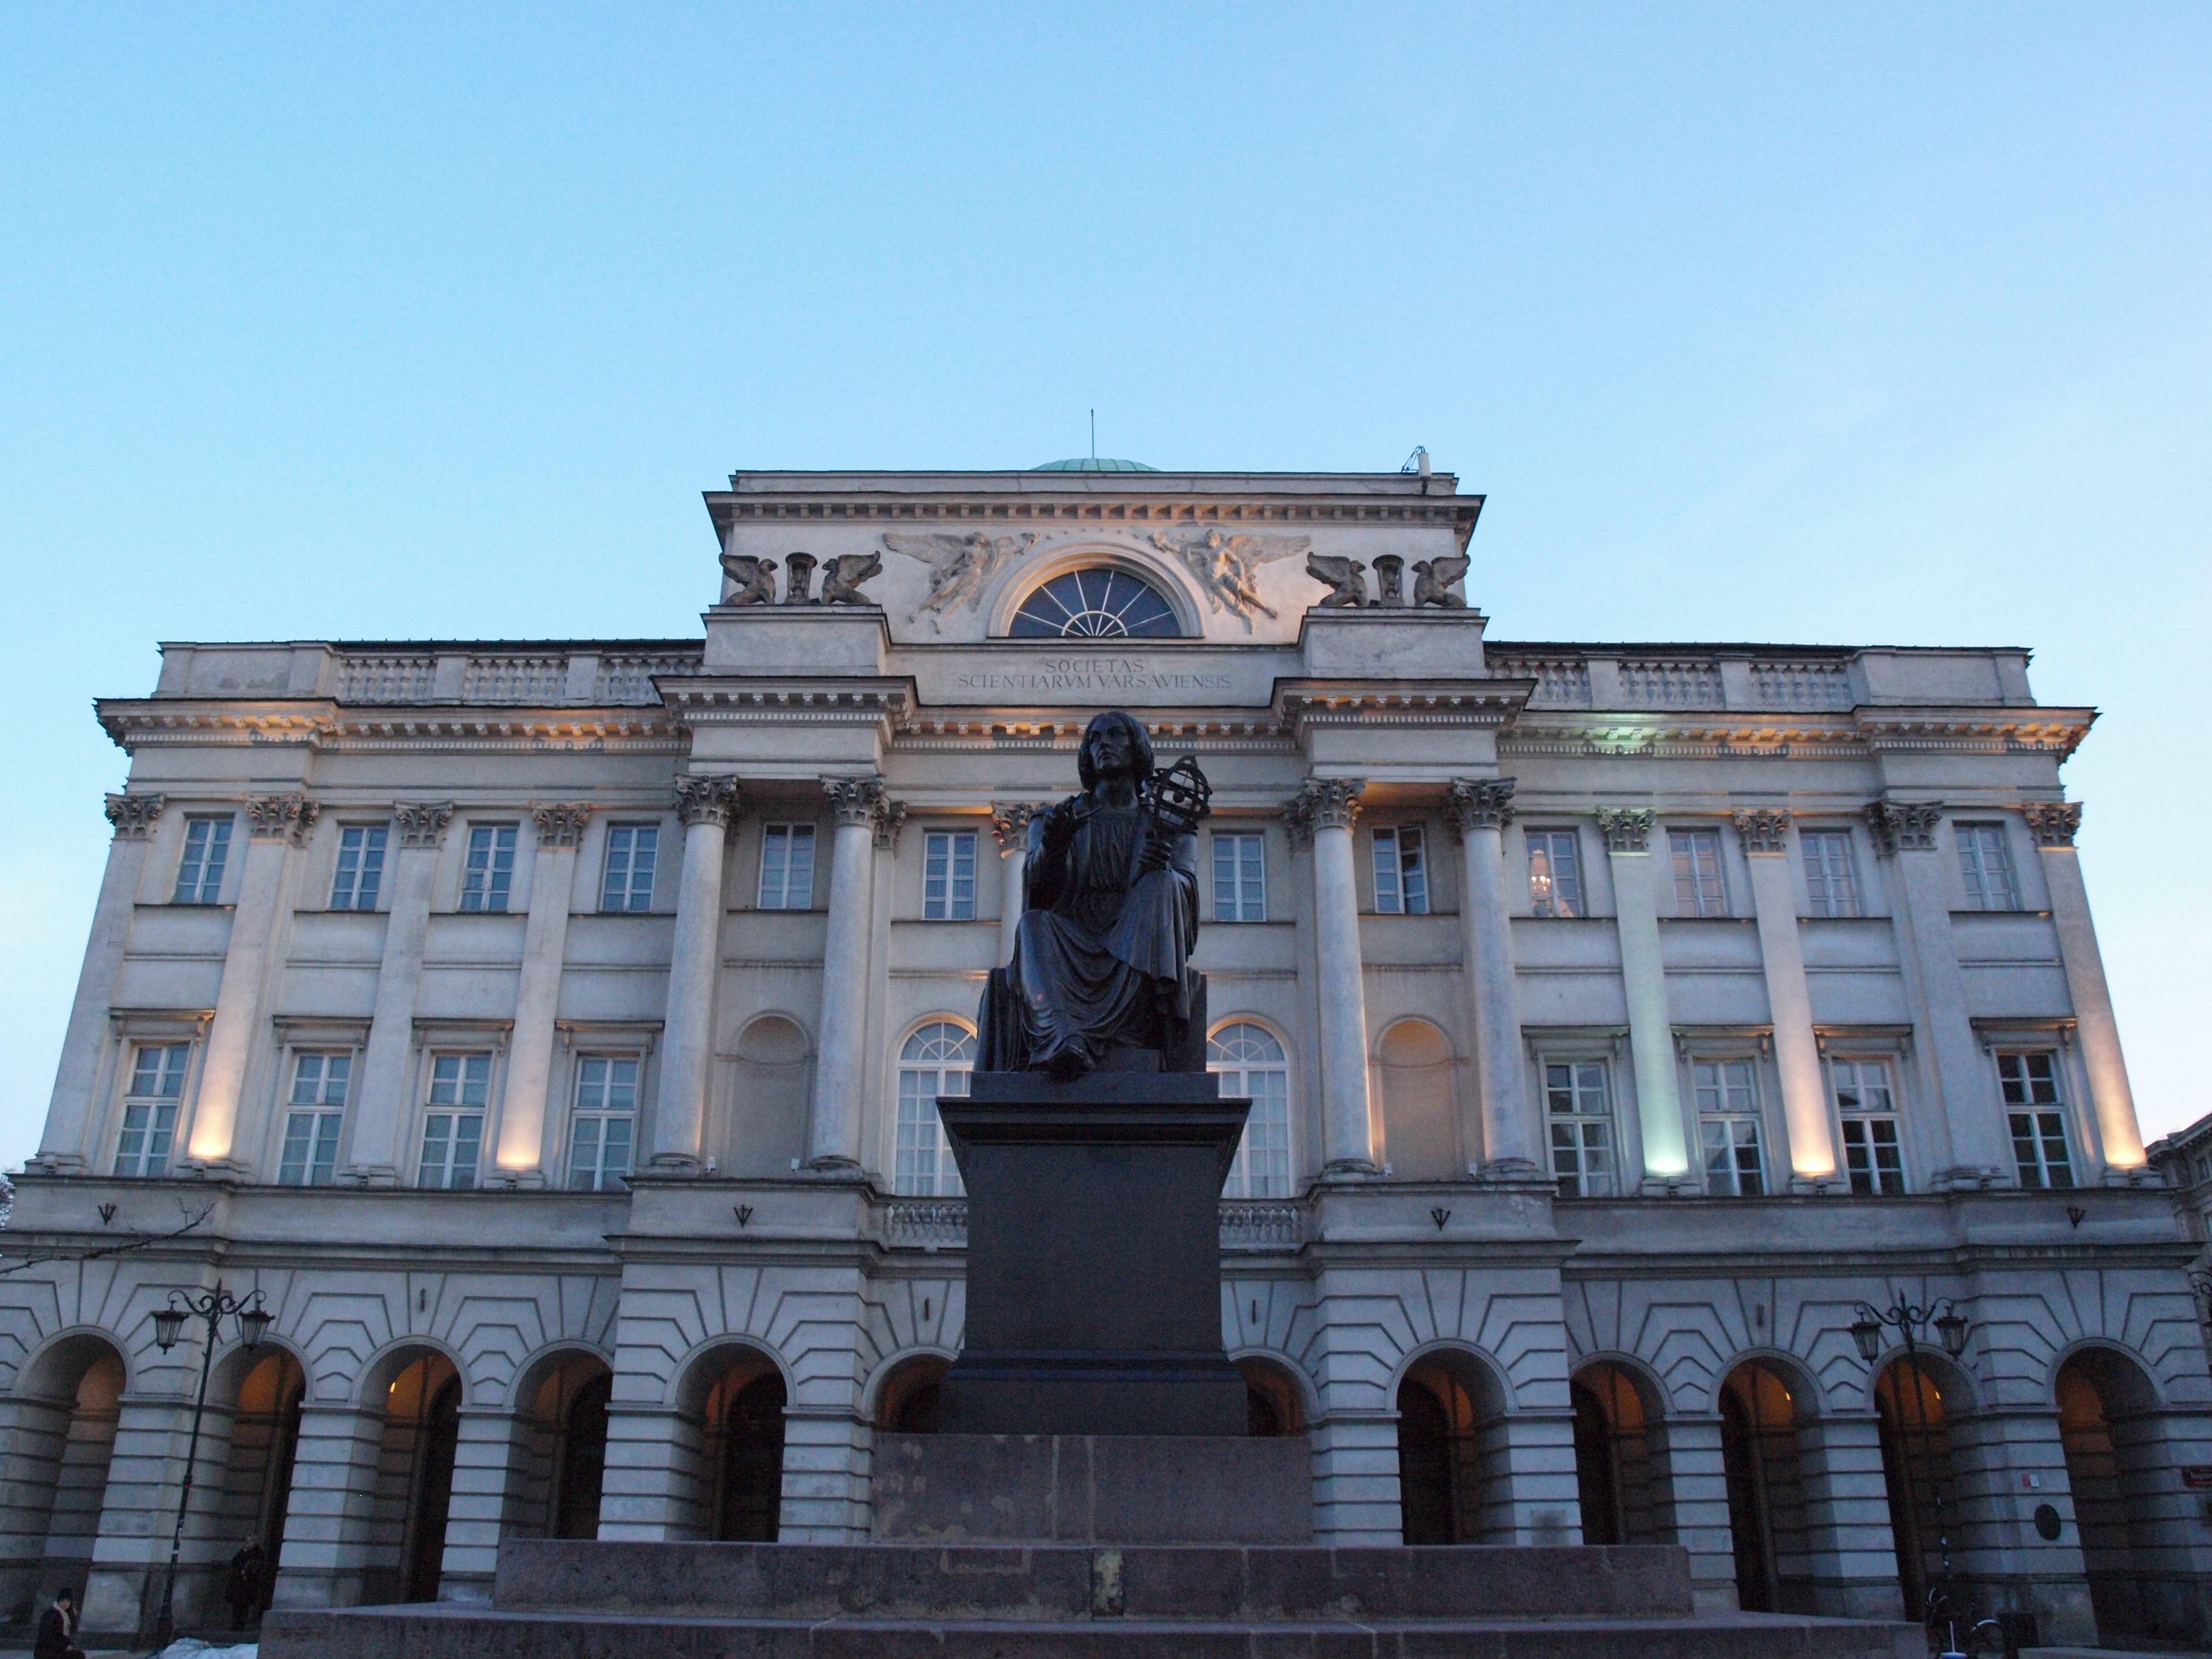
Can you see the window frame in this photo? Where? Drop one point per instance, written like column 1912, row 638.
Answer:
column 944, row 1178
column 374, row 837
column 200, row 894
column 1397, row 901
column 603, row 1179
column 789, row 827
column 2060, row 1107
column 952, row 842
column 185, row 1074
column 1819, row 895
column 1763, row 1142
column 1972, row 876
column 323, row 1115
column 1236, row 841
column 1680, row 837
column 1880, row 1184
column 630, row 828
column 429, row 1106
column 491, row 888
column 1238, row 1185
column 1608, row 1119
column 1547, row 907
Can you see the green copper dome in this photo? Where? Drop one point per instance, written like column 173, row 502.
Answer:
column 1093, row 464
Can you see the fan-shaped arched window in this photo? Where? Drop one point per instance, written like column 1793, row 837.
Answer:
column 935, row 1061
column 1249, row 1060
column 1100, row 602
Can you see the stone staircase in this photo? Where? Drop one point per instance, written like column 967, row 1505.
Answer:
column 622, row 1600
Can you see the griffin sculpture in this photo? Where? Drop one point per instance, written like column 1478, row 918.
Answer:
column 1437, row 581
column 843, row 575
column 1344, row 578
column 754, row 578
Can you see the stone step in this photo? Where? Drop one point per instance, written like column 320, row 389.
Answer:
column 454, row 1632
column 1249, row 1584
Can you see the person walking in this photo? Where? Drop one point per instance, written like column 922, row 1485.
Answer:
column 247, row 1568
column 57, row 1636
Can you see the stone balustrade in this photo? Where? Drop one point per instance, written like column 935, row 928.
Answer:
column 1568, row 676
column 515, row 678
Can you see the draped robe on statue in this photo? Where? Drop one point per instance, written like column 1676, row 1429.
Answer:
column 1100, row 963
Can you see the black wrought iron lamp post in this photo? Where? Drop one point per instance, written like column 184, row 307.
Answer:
column 214, row 1307
column 1910, row 1321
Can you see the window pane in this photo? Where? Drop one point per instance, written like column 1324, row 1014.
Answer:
column 1987, row 869
column 1555, row 887
column 787, row 880
column 1388, row 899
column 199, row 872
column 1697, row 854
column 487, row 875
column 1831, row 885
column 1249, row 1061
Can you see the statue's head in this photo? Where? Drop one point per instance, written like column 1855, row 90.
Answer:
column 1114, row 744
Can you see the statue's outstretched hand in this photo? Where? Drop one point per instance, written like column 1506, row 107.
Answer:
column 1158, row 848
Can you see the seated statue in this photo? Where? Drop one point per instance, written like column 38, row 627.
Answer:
column 1101, row 975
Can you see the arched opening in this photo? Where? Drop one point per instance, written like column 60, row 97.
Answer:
column 1765, row 1470
column 2111, row 1466
column 1420, row 1104
column 1923, row 1492
column 414, row 1487
column 765, row 1128
column 561, row 1450
column 1249, row 1059
column 255, row 1490
column 908, row 1402
column 1098, row 602
column 935, row 1061
column 1273, row 1404
column 1617, row 1459
column 1451, row 1422
column 65, row 1412
column 741, row 1466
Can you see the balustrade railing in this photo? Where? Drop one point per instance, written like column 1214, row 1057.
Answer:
column 1570, row 679
column 510, row 678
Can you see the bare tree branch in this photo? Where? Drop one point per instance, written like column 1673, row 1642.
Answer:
column 136, row 1242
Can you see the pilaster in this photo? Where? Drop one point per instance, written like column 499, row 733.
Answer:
column 380, row 1111
column 1666, row 1165
column 1814, row 1164
column 526, row 1116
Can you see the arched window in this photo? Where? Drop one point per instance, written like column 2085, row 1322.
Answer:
column 1249, row 1061
column 1100, row 602
column 934, row 1062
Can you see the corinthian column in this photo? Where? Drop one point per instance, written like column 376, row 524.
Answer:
column 2054, row 824
column 1323, row 815
column 1644, row 980
column 1765, row 836
column 275, row 824
column 523, row 1109
column 1011, row 824
column 419, row 826
column 833, row 1139
column 1480, row 811
column 62, row 1150
column 679, row 1118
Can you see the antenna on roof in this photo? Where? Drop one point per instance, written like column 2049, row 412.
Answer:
column 1418, row 461
column 1094, row 434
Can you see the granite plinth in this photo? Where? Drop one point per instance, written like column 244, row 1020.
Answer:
column 615, row 1601
column 1109, row 1489
column 1094, row 1257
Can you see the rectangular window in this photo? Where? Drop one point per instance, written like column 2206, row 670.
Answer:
column 207, row 849
column 2037, row 1116
column 1240, row 878
column 604, row 1131
column 150, row 1110
column 948, row 875
column 1555, row 873
column 787, row 878
column 1831, row 883
column 1578, row 1106
column 1402, row 873
column 453, row 1127
column 1988, row 869
column 316, row 1112
column 1697, row 872
column 361, row 867
column 1866, row 1106
column 489, row 876
column 1728, row 1126
column 633, row 850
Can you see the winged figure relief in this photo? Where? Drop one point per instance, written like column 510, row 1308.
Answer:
column 1437, row 581
column 753, row 580
column 1228, row 567
column 960, row 566
column 842, row 576
column 1345, row 578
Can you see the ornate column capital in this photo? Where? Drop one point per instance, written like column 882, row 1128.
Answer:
column 1907, row 826
column 855, row 799
column 133, row 816
column 1763, row 829
column 561, row 824
column 279, row 818
column 1324, row 804
column 890, row 819
column 706, row 800
column 1626, row 829
column 1011, row 824
column 2052, row 821
column 1478, row 804
column 421, row 823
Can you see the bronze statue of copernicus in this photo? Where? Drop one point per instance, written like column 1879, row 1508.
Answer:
column 1101, row 975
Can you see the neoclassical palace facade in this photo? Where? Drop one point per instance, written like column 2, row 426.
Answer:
column 549, row 1033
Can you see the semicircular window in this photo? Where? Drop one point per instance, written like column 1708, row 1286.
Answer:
column 1100, row 602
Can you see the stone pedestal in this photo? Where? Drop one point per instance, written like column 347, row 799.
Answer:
column 1094, row 1255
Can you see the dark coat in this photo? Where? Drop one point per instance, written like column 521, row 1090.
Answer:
column 55, row 1640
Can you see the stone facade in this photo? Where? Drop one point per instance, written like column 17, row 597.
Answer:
column 1630, row 1013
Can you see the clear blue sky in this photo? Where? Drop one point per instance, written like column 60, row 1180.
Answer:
column 1848, row 322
